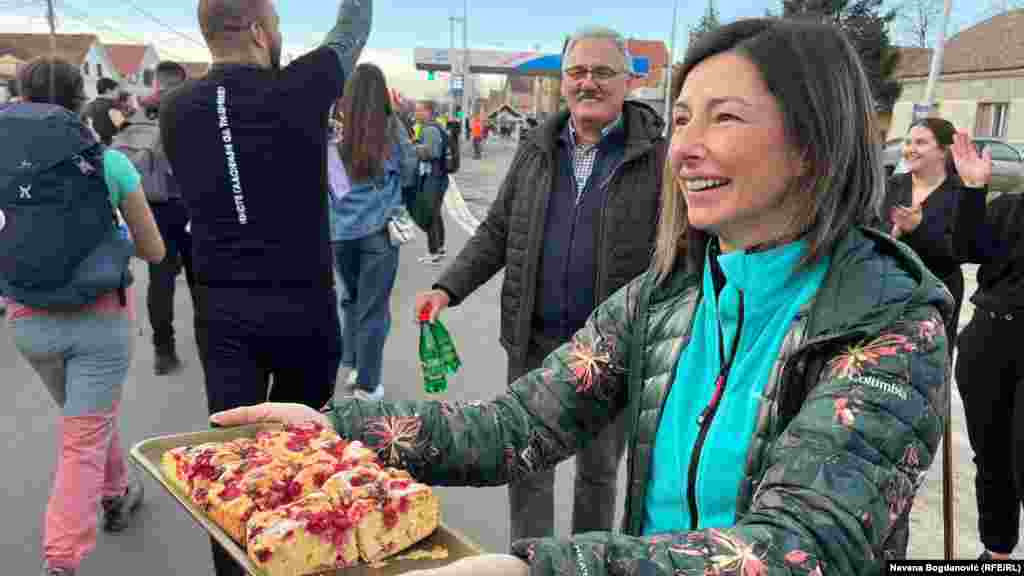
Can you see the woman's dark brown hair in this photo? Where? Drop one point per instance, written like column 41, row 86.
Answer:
column 47, row 80
column 366, row 107
column 817, row 78
column 943, row 131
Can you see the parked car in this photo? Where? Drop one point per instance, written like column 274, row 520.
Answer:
column 1007, row 163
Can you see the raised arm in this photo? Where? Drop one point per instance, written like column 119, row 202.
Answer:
column 350, row 33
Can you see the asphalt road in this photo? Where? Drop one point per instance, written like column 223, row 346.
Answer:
column 167, row 542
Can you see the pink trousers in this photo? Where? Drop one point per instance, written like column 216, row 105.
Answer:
column 90, row 467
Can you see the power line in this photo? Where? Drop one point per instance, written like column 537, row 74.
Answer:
column 83, row 17
column 165, row 25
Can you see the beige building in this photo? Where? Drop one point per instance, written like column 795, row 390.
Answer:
column 981, row 86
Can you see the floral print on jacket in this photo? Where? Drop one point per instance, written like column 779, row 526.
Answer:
column 834, row 480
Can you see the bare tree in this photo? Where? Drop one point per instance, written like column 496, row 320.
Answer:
column 919, row 19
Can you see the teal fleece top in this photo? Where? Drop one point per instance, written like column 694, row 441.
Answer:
column 772, row 291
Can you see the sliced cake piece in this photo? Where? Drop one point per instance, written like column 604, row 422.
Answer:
column 308, row 536
column 407, row 513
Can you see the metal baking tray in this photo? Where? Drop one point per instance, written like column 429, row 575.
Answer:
column 147, row 453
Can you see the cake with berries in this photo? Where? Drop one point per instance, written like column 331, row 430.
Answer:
column 406, row 512
column 296, row 441
column 301, row 500
column 308, row 536
column 233, row 499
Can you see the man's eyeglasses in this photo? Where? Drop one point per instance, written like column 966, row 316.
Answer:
column 598, row 73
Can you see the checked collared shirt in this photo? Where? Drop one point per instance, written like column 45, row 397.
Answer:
column 584, row 156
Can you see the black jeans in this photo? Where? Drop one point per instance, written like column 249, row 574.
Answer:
column 247, row 335
column 989, row 372
column 435, row 235
column 171, row 218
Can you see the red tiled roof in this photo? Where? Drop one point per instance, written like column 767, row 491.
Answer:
column 127, row 58
column 993, row 45
column 70, row 47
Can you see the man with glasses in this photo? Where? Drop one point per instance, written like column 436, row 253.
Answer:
column 573, row 222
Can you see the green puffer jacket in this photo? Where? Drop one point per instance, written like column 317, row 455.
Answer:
column 847, row 429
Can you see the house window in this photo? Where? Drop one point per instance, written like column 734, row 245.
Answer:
column 992, row 120
column 147, row 78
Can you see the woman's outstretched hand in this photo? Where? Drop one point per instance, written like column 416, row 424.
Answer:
column 975, row 170
column 270, row 412
column 485, row 565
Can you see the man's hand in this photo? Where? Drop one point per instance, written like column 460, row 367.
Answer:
column 485, row 565
column 430, row 304
column 270, row 412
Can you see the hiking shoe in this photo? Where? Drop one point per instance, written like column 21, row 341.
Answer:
column 118, row 512
column 166, row 363
column 47, row 571
column 375, row 396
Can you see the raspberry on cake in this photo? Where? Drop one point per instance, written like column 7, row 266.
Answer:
column 185, row 467
column 312, row 477
column 407, row 513
column 231, row 503
column 294, row 442
column 305, row 537
column 356, row 484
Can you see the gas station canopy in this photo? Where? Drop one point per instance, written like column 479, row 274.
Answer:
column 497, row 62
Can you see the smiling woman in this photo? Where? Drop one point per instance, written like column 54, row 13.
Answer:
column 760, row 365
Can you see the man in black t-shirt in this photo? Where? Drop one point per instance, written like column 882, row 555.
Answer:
column 102, row 113
column 248, row 145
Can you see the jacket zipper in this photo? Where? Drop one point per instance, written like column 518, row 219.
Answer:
column 599, row 245
column 708, row 414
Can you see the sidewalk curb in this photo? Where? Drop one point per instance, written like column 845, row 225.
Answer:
column 457, row 209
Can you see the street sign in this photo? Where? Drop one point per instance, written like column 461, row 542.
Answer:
column 923, row 111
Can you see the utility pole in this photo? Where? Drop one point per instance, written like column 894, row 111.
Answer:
column 668, row 70
column 465, row 58
column 52, row 19
column 936, row 68
column 451, row 50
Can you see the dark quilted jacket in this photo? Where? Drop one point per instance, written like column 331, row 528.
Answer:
column 511, row 236
column 847, row 431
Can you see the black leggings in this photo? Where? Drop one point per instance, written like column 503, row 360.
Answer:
column 988, row 372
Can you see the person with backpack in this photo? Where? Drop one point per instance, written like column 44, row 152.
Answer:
column 64, row 266
column 366, row 169
column 433, row 149
column 140, row 141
